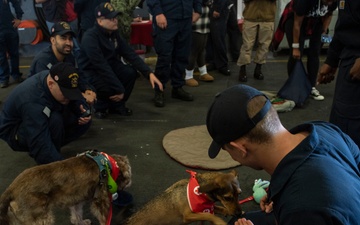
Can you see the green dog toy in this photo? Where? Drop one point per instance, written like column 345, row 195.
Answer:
column 111, row 183
column 259, row 189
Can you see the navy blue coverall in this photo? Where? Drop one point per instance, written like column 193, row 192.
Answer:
column 173, row 44
column 343, row 51
column 9, row 40
column 33, row 121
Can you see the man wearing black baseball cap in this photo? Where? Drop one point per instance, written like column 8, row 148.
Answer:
column 35, row 117
column 307, row 163
column 60, row 49
column 102, row 64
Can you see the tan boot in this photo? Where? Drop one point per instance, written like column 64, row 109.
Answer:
column 206, row 77
column 192, row 82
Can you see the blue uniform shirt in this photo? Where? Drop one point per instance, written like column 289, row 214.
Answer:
column 31, row 104
column 318, row 182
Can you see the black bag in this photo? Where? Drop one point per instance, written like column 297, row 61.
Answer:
column 297, row 87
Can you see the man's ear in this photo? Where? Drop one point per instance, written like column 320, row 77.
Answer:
column 239, row 145
column 50, row 83
column 52, row 39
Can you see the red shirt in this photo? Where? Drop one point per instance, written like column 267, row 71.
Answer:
column 69, row 11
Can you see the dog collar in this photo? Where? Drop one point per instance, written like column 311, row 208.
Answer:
column 198, row 202
column 115, row 170
column 107, row 166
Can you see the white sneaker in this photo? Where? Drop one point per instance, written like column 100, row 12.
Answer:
column 315, row 94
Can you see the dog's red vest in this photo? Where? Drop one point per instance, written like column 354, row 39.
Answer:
column 198, row 202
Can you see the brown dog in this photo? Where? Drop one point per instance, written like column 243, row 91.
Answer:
column 172, row 206
column 30, row 198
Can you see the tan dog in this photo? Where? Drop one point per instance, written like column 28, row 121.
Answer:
column 172, row 206
column 30, row 198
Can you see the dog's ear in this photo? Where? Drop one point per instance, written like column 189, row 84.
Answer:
column 235, row 173
column 220, row 184
column 208, row 187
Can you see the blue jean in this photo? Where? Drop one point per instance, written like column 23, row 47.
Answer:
column 9, row 43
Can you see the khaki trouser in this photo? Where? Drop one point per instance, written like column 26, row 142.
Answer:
column 265, row 31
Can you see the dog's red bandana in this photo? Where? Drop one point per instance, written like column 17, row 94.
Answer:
column 198, row 202
column 114, row 174
column 114, row 166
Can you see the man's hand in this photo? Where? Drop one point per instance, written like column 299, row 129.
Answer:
column 117, row 98
column 83, row 120
column 243, row 221
column 216, row 14
column 355, row 70
column 154, row 80
column 195, row 17
column 90, row 96
column 265, row 205
column 16, row 23
column 326, row 74
column 296, row 53
column 161, row 21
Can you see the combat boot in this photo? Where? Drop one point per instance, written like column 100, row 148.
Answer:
column 242, row 74
column 257, row 73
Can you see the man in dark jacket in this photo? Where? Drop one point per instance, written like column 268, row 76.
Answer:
column 9, row 41
column 344, row 53
column 85, row 11
column 33, row 118
column 100, row 62
column 172, row 24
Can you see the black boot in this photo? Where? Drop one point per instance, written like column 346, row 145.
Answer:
column 159, row 100
column 242, row 74
column 257, row 73
column 179, row 93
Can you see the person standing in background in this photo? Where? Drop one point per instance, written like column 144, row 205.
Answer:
column 172, row 28
column 233, row 33
column 344, row 53
column 85, row 10
column 259, row 17
column 200, row 33
column 216, row 51
column 56, row 11
column 9, row 42
column 307, row 19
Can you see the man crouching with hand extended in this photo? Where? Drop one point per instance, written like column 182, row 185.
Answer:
column 35, row 118
column 110, row 64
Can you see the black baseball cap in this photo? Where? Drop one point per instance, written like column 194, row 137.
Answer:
column 65, row 74
column 106, row 10
column 228, row 119
column 61, row 28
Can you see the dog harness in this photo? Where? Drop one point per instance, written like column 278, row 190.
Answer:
column 198, row 202
column 108, row 169
column 107, row 166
